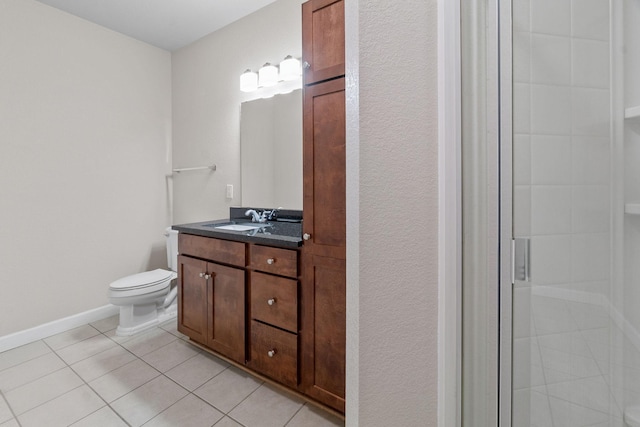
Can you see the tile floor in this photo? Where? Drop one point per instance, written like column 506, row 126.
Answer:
column 88, row 376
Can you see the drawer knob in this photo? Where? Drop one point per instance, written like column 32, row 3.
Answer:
column 271, row 353
column 271, row 261
column 306, row 65
column 306, row 236
column 271, row 301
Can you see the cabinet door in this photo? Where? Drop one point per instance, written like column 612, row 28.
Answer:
column 323, row 335
column 192, row 298
column 227, row 311
column 323, row 302
column 323, row 40
column 324, row 198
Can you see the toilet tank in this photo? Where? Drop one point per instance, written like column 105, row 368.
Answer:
column 172, row 248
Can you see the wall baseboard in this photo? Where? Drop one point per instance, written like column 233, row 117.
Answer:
column 27, row 336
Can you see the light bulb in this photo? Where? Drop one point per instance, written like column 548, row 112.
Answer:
column 248, row 81
column 268, row 75
column 290, row 68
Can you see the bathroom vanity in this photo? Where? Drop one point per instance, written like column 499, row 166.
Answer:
column 273, row 300
column 239, row 292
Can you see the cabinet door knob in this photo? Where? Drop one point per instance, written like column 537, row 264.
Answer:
column 306, row 236
column 202, row 275
column 271, row 261
column 207, row 276
column 306, row 65
column 271, row 301
column 271, row 353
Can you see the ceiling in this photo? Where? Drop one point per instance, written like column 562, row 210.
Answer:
column 167, row 24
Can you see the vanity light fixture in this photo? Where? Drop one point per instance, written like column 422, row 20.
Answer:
column 268, row 75
column 248, row 81
column 290, row 68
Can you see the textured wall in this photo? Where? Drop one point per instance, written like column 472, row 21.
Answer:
column 85, row 125
column 392, row 209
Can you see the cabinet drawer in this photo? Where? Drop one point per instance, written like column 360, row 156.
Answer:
column 274, row 260
column 274, row 353
column 223, row 251
column 274, row 300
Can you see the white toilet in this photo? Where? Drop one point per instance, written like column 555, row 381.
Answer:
column 146, row 299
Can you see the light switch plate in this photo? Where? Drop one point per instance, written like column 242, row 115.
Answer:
column 229, row 191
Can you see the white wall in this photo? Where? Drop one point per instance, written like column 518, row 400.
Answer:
column 85, row 126
column 392, row 213
column 206, row 104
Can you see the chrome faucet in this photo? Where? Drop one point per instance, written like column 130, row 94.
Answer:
column 255, row 216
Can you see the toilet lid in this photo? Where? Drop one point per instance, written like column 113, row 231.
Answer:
column 142, row 280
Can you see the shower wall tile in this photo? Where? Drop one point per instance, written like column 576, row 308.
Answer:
column 551, row 316
column 590, row 163
column 590, row 208
column 552, row 213
column 522, row 210
column 590, row 256
column 523, row 325
column 550, row 59
column 551, row 160
column 522, row 108
column 590, row 112
column 521, row 15
column 522, row 56
column 551, row 259
column 550, row 110
column 551, row 17
column 527, row 366
column 590, row 63
column 521, row 159
column 590, row 19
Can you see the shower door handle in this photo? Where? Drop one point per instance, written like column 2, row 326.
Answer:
column 520, row 259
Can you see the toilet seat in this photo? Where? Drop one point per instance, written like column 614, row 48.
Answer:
column 142, row 283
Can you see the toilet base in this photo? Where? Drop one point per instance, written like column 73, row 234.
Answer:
column 138, row 318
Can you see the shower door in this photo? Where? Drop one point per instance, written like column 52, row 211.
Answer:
column 563, row 185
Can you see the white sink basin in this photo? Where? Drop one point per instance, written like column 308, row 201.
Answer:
column 239, row 227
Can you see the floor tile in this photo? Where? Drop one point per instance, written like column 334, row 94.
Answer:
column 102, row 363
column 11, row 423
column 5, row 412
column 42, row 390
column 64, row 410
column 171, row 326
column 147, row 401
column 107, row 324
column 121, row 381
column 310, row 416
column 266, row 407
column 170, row 355
column 227, row 389
column 148, row 341
column 227, row 422
column 21, row 354
column 188, row 412
column 73, row 336
column 87, row 348
column 197, row 371
column 104, row 417
column 29, row 371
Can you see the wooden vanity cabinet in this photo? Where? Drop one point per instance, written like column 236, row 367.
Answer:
column 322, row 40
column 273, row 308
column 211, row 296
column 323, row 280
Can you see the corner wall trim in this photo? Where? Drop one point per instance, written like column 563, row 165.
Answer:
column 17, row 339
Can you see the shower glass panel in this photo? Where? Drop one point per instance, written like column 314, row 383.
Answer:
column 569, row 348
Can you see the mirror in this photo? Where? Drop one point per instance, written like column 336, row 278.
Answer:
column 271, row 151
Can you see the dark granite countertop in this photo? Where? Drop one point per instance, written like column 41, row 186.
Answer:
column 275, row 233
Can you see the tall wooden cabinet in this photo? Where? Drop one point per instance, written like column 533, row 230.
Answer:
column 323, row 286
